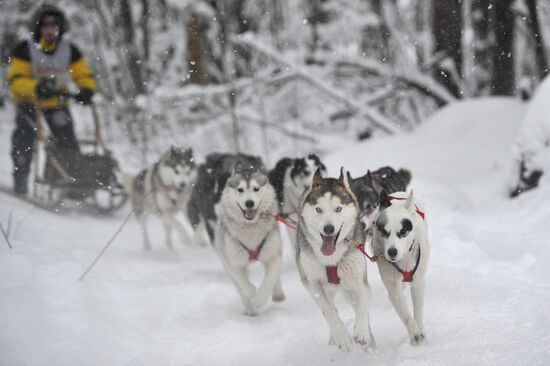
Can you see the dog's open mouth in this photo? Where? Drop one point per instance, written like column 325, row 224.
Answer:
column 249, row 214
column 329, row 243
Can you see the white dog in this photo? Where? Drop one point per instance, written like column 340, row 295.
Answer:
column 400, row 240
column 247, row 232
column 329, row 218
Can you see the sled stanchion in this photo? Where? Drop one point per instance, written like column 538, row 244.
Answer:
column 105, row 247
column 5, row 236
column 97, row 128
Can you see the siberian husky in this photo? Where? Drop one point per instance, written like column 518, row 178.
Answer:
column 329, row 219
column 246, row 232
column 290, row 178
column 163, row 189
column 400, row 240
column 207, row 191
column 368, row 187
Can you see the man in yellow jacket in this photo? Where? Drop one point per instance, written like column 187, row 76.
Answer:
column 40, row 71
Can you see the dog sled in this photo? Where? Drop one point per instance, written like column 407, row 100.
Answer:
column 86, row 177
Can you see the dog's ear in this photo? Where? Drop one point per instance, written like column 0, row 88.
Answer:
column 372, row 181
column 343, row 179
column 384, row 200
column 350, row 179
column 408, row 202
column 317, row 178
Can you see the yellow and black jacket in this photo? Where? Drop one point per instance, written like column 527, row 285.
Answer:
column 29, row 64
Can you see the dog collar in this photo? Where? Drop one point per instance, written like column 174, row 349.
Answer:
column 408, row 275
column 420, row 213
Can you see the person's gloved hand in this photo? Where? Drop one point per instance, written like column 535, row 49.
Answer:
column 45, row 89
column 84, row 96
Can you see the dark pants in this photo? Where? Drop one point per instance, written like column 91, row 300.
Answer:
column 61, row 126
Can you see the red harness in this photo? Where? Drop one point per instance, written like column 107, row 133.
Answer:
column 408, row 275
column 253, row 255
column 332, row 275
column 420, row 213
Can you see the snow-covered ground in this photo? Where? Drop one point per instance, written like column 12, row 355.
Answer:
column 488, row 286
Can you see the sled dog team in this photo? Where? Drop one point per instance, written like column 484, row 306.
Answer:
column 234, row 203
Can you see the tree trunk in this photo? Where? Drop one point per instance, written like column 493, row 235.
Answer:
column 276, row 22
column 375, row 38
column 540, row 55
column 146, row 34
column 132, row 57
column 195, row 60
column 503, row 63
column 481, row 24
column 447, row 31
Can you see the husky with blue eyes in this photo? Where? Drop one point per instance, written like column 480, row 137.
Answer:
column 247, row 232
column 400, row 241
column 329, row 221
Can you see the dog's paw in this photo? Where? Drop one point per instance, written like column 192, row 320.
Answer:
column 344, row 342
column 417, row 339
column 278, row 296
column 199, row 241
column 251, row 312
column 362, row 338
column 260, row 299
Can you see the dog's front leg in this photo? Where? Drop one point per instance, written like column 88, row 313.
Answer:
column 398, row 301
column 166, row 222
column 170, row 221
column 199, row 235
column 360, row 300
column 417, row 295
column 278, row 293
column 338, row 331
column 142, row 219
column 246, row 289
column 272, row 274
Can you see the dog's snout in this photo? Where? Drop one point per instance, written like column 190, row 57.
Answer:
column 249, row 204
column 392, row 252
column 328, row 229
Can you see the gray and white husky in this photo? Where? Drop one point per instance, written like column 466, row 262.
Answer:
column 207, row 191
column 163, row 189
column 246, row 232
column 400, row 240
column 327, row 263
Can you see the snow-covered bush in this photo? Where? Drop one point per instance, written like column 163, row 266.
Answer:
column 532, row 148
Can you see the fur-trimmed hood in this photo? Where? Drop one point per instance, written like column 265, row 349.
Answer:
column 38, row 16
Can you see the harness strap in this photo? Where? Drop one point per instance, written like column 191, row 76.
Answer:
column 255, row 253
column 361, row 248
column 167, row 188
column 332, row 275
column 420, row 213
column 282, row 219
column 408, row 275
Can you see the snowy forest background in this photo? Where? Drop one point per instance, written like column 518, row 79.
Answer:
column 445, row 89
column 274, row 77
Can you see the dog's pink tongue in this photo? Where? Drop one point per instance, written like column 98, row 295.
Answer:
column 329, row 245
